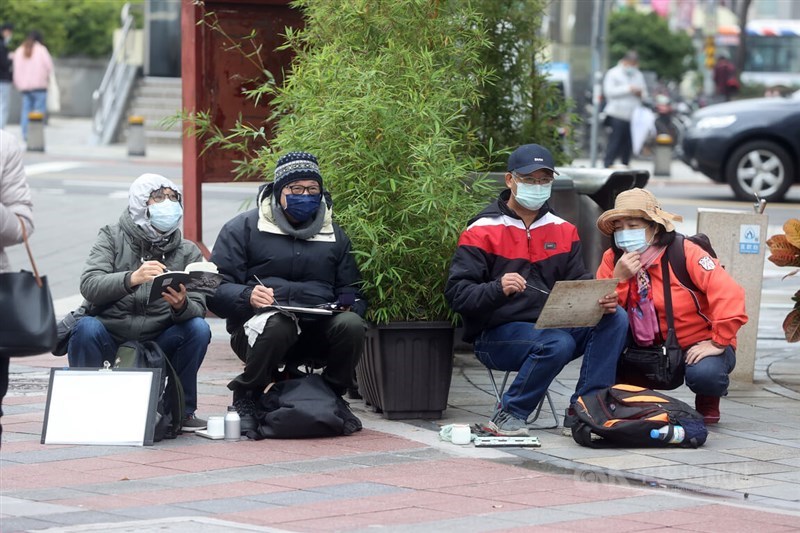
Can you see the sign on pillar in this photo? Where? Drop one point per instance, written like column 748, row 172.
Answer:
column 739, row 238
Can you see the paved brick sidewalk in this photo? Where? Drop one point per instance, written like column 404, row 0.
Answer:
column 391, row 474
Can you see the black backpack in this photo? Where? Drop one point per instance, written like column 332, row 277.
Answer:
column 170, row 407
column 677, row 256
column 624, row 415
column 303, row 407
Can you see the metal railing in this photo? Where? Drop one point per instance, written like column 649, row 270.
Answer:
column 110, row 99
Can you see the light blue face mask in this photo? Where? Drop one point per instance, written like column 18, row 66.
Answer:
column 165, row 216
column 631, row 240
column 532, row 196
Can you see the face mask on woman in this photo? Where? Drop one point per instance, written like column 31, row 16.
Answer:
column 165, row 216
column 532, row 196
column 631, row 240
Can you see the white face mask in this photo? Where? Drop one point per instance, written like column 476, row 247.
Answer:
column 165, row 216
column 532, row 196
column 631, row 240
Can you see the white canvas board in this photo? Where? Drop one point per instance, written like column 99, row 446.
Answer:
column 573, row 304
column 109, row 407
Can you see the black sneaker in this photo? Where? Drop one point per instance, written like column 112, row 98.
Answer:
column 570, row 419
column 351, row 422
column 246, row 407
column 191, row 423
column 353, row 394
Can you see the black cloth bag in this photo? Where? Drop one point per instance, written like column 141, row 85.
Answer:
column 300, row 408
column 28, row 325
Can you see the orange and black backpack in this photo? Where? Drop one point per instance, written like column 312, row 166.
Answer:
column 625, row 415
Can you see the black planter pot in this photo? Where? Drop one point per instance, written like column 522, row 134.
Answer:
column 406, row 368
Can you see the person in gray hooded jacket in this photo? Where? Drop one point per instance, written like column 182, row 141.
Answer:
column 116, row 281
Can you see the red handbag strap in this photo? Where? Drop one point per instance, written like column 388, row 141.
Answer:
column 30, row 254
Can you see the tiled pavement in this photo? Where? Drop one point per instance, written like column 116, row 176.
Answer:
column 394, row 475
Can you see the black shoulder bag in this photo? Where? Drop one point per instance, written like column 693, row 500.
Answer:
column 28, row 326
column 658, row 366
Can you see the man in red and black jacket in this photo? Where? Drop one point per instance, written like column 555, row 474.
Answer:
column 506, row 263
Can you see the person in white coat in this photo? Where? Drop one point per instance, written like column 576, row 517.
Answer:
column 624, row 88
column 16, row 208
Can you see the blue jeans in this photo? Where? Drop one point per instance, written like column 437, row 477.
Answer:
column 709, row 376
column 5, row 102
column 185, row 344
column 32, row 101
column 539, row 355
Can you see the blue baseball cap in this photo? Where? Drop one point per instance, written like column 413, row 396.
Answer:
column 529, row 158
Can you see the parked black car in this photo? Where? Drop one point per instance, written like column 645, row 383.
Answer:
column 753, row 145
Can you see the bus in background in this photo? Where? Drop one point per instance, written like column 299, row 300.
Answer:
column 773, row 51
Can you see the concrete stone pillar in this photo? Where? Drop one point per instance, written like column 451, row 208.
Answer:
column 136, row 138
column 739, row 238
column 662, row 156
column 35, row 132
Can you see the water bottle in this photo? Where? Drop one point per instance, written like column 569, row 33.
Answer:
column 678, row 434
column 233, row 424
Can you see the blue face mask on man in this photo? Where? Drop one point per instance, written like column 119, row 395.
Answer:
column 532, row 196
column 165, row 216
column 301, row 207
column 631, row 240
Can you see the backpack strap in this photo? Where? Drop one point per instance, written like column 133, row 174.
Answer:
column 677, row 260
column 668, row 294
column 178, row 402
column 676, row 254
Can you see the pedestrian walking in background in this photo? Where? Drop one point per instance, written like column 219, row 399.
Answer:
column 6, row 32
column 32, row 68
column 15, row 206
column 624, row 88
column 726, row 83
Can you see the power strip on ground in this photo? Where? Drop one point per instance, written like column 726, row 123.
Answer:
column 489, row 442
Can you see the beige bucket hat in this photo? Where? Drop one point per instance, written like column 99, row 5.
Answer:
column 636, row 203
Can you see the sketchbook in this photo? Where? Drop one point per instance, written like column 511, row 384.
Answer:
column 197, row 277
column 294, row 309
column 573, row 304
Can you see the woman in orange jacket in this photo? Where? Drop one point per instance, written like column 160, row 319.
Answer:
column 706, row 321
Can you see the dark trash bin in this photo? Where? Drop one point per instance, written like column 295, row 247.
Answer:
column 582, row 198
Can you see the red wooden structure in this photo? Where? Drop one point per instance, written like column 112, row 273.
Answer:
column 215, row 78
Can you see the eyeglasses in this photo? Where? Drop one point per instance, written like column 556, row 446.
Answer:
column 160, row 195
column 299, row 189
column 531, row 180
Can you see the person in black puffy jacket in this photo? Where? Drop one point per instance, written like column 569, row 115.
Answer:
column 288, row 252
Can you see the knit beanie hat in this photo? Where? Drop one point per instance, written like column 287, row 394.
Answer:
column 295, row 166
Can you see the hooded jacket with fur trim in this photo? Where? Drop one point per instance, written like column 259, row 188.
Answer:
column 304, row 267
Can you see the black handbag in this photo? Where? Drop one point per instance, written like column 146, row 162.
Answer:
column 658, row 366
column 28, row 326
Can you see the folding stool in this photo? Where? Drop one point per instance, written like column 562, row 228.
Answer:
column 498, row 394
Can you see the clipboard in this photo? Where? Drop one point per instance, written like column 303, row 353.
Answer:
column 573, row 304
column 295, row 309
column 101, row 406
